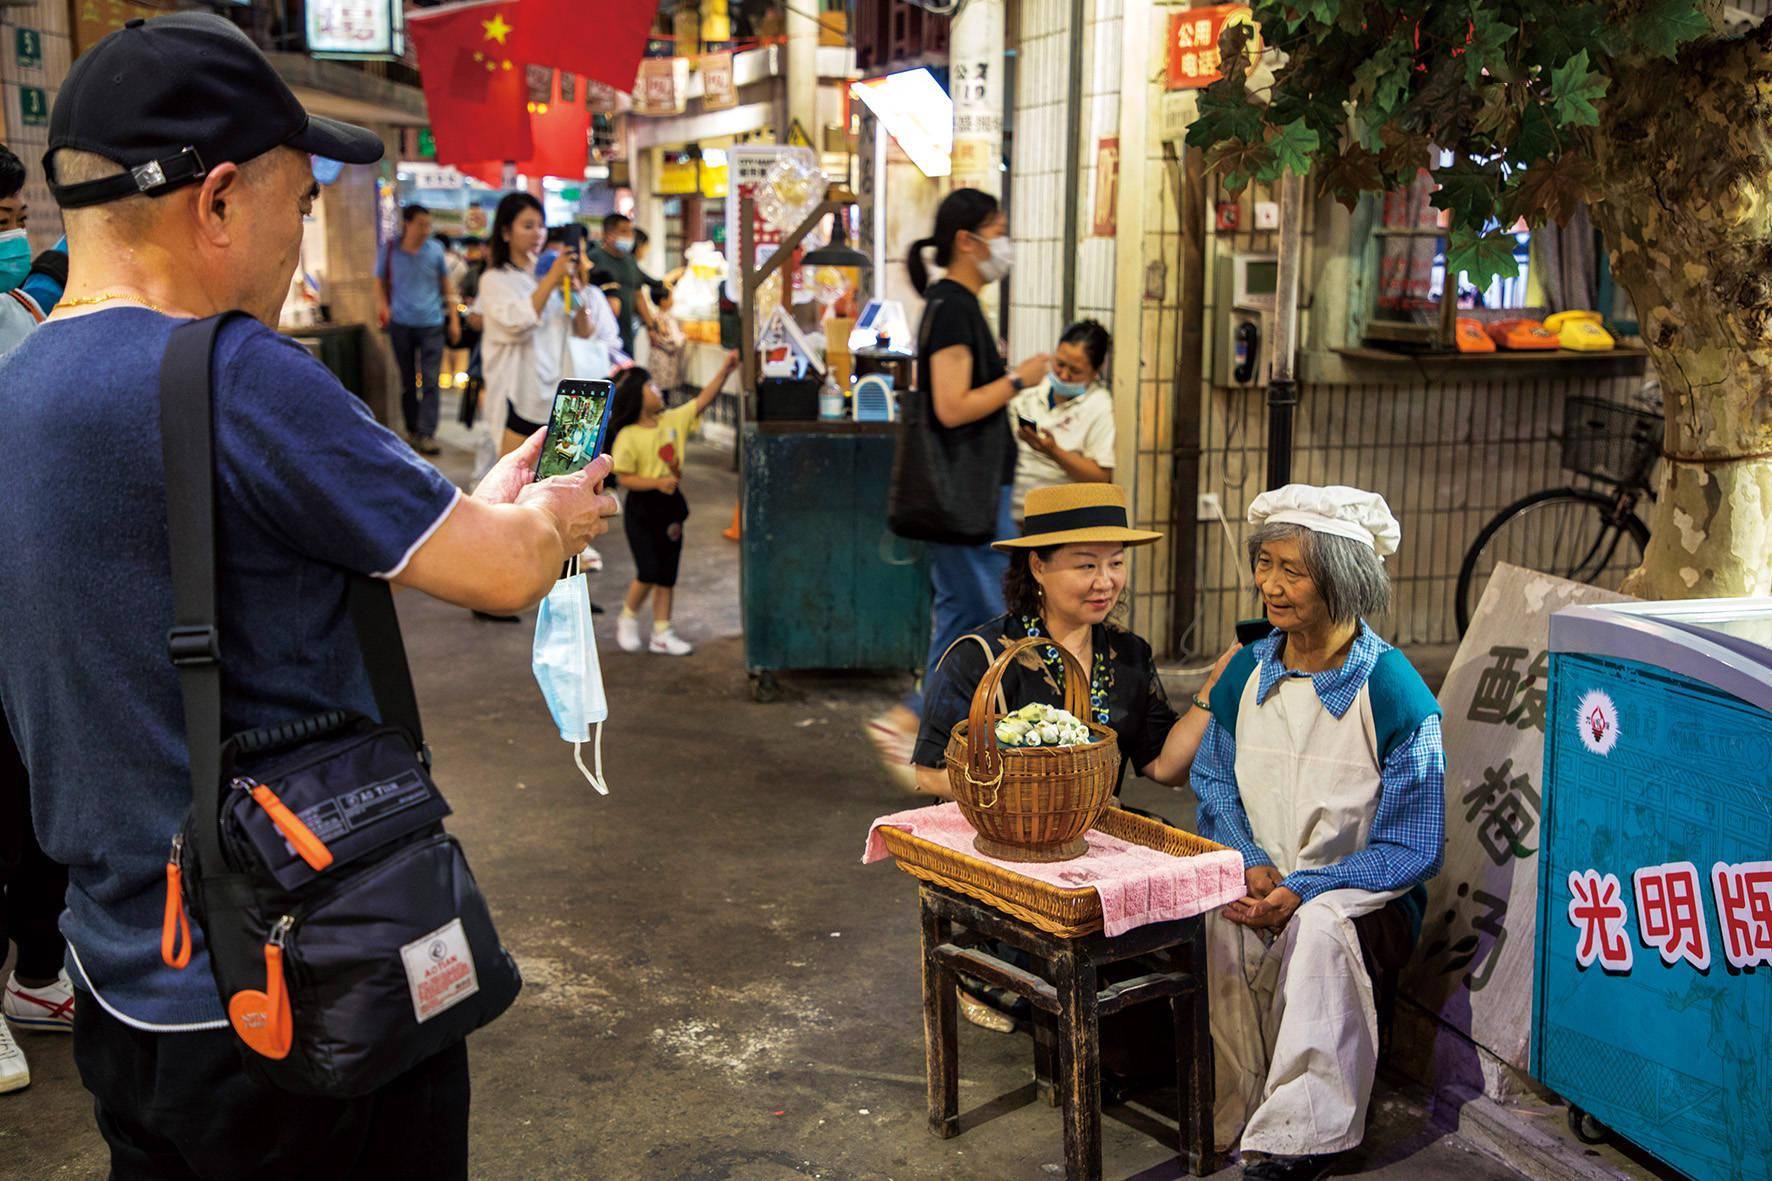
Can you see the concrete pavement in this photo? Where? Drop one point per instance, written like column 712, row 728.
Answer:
column 716, row 988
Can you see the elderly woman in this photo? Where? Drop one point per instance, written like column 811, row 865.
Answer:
column 1323, row 765
column 1067, row 573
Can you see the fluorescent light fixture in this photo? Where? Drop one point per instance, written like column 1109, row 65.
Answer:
column 917, row 113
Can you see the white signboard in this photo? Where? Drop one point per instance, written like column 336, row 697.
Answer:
column 356, row 28
column 747, row 166
column 1473, row 965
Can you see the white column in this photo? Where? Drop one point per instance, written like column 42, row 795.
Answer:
column 975, row 56
column 802, row 30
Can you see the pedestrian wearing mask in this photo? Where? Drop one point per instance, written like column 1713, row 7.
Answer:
column 185, row 200
column 958, row 412
column 616, row 255
column 1065, row 425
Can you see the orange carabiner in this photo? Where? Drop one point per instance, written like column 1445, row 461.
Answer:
column 176, row 926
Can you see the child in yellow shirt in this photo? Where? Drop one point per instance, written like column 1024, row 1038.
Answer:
column 648, row 455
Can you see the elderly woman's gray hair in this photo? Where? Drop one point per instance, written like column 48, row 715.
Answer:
column 1349, row 576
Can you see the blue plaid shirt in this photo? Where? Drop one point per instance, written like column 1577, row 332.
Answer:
column 1408, row 836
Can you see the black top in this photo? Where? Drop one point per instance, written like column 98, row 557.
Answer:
column 952, row 316
column 1138, row 709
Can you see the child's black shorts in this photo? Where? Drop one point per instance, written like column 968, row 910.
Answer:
column 653, row 522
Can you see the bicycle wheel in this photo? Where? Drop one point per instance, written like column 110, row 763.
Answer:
column 1573, row 533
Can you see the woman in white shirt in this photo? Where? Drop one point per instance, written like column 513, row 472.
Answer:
column 521, row 316
column 1064, row 431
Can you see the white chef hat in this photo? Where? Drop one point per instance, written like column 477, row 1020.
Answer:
column 1334, row 509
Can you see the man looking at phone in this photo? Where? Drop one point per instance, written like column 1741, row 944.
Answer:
column 185, row 199
column 414, row 302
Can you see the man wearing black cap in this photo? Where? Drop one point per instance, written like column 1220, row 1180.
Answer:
column 181, row 162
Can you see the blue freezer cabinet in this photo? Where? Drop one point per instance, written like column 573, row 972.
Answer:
column 1652, row 994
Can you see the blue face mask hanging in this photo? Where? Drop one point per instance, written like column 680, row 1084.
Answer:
column 566, row 668
column 15, row 259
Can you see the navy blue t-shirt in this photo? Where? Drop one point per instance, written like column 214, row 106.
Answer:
column 309, row 486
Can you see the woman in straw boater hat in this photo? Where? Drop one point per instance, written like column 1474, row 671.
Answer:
column 1066, row 578
column 1067, row 574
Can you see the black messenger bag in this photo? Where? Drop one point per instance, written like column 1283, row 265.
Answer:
column 345, row 932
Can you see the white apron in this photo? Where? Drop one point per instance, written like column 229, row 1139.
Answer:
column 1293, row 1023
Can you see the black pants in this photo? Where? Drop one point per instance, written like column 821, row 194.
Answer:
column 32, row 887
column 181, row 1107
column 653, row 522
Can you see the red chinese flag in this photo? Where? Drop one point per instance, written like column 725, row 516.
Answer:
column 603, row 39
column 473, row 81
column 561, row 132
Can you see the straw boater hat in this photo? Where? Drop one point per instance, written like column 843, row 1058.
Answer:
column 1073, row 514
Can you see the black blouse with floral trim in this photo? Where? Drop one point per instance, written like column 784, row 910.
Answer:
column 1124, row 677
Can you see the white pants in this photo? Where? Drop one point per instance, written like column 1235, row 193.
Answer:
column 1294, row 1029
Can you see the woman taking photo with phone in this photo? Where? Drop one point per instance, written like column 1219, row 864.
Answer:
column 953, row 477
column 514, row 304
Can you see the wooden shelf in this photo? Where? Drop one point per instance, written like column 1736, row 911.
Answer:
column 1613, row 362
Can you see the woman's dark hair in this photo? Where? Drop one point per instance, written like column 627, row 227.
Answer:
column 961, row 210
column 1093, row 337
column 509, row 210
column 1021, row 594
column 628, row 402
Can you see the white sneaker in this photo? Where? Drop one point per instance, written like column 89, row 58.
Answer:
column 669, row 643
column 627, row 633
column 15, row 1072
column 590, row 561
column 47, row 1009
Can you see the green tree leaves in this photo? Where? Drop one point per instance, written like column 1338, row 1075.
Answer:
column 1664, row 27
column 1367, row 91
column 1573, row 91
column 1482, row 257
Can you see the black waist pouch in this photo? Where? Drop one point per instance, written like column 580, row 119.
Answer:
column 346, row 934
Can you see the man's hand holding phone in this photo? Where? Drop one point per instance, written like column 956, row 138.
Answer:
column 576, row 503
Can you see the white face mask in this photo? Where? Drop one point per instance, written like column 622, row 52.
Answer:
column 566, row 668
column 994, row 268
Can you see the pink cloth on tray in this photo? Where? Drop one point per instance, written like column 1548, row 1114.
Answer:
column 1138, row 885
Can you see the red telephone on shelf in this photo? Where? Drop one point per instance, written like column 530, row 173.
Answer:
column 1521, row 335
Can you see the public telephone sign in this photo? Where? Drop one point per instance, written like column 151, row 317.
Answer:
column 1193, row 43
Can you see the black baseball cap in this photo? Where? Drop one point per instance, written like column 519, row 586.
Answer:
column 166, row 98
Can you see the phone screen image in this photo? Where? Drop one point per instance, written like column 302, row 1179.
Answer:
column 575, row 428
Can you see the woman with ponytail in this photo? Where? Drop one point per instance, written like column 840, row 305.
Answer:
column 962, row 389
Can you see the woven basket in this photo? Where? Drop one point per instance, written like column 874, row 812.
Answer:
column 1031, row 804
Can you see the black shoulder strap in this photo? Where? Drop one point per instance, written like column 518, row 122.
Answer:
column 187, row 435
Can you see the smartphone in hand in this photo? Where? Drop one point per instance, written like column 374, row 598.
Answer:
column 1027, row 424
column 577, row 427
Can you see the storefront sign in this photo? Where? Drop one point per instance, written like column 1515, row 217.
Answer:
column 568, row 87
column 747, row 166
column 539, row 84
column 27, row 47
column 976, row 79
column 1107, row 187
column 356, row 28
column 677, row 178
column 1193, row 43
column 427, row 144
column 33, row 106
column 657, row 90
column 601, row 98
column 718, row 88
column 1473, row 965
column 93, row 19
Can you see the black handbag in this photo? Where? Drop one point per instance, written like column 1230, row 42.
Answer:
column 345, row 931
column 946, row 481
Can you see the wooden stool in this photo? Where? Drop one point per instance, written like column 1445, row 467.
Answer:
column 1069, row 1070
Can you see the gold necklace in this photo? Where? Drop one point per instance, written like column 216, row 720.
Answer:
column 108, row 296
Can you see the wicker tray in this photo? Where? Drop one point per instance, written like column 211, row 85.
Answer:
column 1065, row 912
